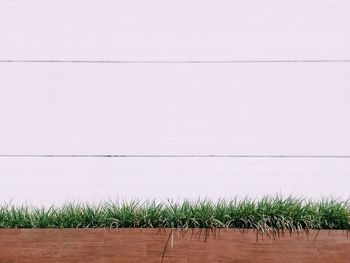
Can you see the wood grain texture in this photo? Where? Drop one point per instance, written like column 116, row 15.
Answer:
column 148, row 245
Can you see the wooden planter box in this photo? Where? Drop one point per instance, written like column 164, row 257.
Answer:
column 154, row 245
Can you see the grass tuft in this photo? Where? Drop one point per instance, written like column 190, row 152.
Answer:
column 267, row 214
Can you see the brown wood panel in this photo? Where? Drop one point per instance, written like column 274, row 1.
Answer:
column 53, row 260
column 146, row 259
column 149, row 245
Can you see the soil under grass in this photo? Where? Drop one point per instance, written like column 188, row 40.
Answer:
column 266, row 214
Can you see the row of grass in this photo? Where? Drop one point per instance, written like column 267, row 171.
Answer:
column 266, row 214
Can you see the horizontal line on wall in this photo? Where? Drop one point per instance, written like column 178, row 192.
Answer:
column 179, row 61
column 168, row 156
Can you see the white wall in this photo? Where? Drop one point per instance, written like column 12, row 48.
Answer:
column 274, row 108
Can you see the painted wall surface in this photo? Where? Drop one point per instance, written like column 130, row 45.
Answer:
column 228, row 78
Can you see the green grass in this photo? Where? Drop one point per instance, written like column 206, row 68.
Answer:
column 265, row 214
